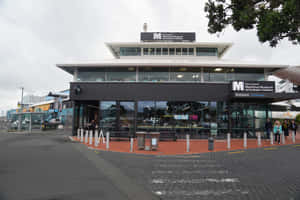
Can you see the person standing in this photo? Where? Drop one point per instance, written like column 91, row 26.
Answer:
column 277, row 131
column 268, row 127
column 294, row 127
column 285, row 128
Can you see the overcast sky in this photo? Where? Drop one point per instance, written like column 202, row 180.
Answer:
column 37, row 34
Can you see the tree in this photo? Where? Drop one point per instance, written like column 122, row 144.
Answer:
column 273, row 19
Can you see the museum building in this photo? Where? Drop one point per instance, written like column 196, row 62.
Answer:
column 171, row 84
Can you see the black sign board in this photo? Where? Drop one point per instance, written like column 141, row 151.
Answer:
column 168, row 36
column 253, row 86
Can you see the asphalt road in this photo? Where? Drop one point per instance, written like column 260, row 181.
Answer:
column 50, row 166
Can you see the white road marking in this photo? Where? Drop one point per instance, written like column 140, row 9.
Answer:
column 194, row 181
column 191, row 172
column 182, row 165
column 201, row 192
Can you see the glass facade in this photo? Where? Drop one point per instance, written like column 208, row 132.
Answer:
column 168, row 51
column 164, row 74
column 197, row 118
column 130, row 51
column 200, row 51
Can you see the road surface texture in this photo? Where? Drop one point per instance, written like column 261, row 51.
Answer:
column 48, row 166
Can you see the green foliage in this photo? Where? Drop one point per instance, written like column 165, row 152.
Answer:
column 274, row 19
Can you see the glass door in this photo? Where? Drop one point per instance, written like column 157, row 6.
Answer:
column 126, row 116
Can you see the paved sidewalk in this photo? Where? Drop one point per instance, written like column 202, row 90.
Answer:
column 179, row 146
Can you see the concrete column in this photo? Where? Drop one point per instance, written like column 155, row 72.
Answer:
column 228, row 141
column 259, row 138
column 107, row 140
column 271, row 138
column 187, row 143
column 245, row 140
column 75, row 76
column 293, row 137
column 283, row 138
column 78, row 133
column 131, row 144
column 91, row 137
column 81, row 136
column 86, row 136
column 96, row 138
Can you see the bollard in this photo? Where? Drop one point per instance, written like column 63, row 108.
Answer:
column 86, row 136
column 245, row 140
column 283, row 138
column 187, row 143
column 96, row 138
column 293, row 137
column 91, row 137
column 107, row 140
column 101, row 135
column 81, row 137
column 271, row 138
column 228, row 140
column 78, row 133
column 131, row 144
column 259, row 139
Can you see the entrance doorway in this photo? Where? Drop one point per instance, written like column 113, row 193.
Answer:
column 118, row 117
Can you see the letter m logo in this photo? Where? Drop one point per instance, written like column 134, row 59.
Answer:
column 156, row 36
column 237, row 85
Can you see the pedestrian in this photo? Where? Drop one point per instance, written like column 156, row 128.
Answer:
column 285, row 128
column 268, row 127
column 294, row 127
column 277, row 131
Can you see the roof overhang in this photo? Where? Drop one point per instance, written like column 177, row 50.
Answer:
column 71, row 67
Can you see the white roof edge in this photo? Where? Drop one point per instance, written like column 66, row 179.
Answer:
column 167, row 64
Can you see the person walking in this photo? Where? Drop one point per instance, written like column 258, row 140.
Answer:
column 294, row 127
column 277, row 131
column 268, row 127
column 285, row 128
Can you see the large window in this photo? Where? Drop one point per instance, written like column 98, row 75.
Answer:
column 186, row 74
column 121, row 74
column 90, row 74
column 177, row 116
column 200, row 51
column 159, row 74
column 130, row 51
column 214, row 74
column 153, row 74
column 108, row 115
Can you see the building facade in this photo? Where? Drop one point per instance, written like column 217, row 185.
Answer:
column 170, row 83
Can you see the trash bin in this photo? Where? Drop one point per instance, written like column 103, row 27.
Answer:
column 210, row 143
column 141, row 139
column 154, row 140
